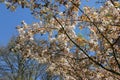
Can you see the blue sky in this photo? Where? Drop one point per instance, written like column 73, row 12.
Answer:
column 9, row 20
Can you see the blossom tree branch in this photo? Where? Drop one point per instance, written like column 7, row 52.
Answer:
column 97, row 63
column 113, row 49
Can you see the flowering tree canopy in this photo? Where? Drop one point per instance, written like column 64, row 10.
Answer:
column 64, row 49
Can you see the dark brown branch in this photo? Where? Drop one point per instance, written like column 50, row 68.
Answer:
column 112, row 2
column 116, row 40
column 97, row 63
column 114, row 54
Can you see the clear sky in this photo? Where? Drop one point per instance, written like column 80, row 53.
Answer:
column 9, row 20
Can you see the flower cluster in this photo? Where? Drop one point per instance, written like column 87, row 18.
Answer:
column 66, row 53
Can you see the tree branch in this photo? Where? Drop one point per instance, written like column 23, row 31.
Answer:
column 97, row 63
column 114, row 54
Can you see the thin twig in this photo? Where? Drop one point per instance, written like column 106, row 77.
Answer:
column 114, row 54
column 97, row 63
